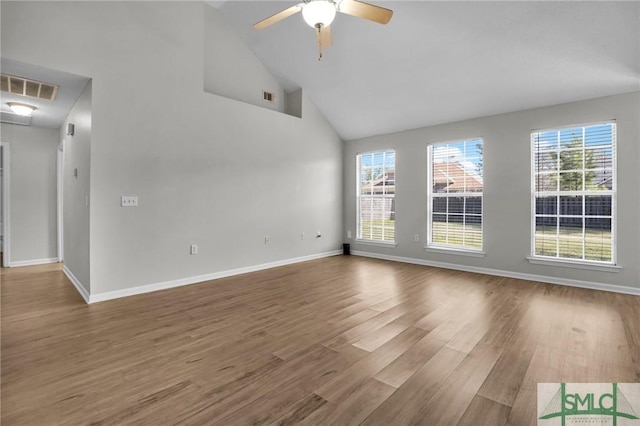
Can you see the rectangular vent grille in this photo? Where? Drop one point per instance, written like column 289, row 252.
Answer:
column 24, row 87
column 11, row 118
column 268, row 96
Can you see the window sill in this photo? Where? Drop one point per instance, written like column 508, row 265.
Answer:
column 376, row 243
column 447, row 250
column 593, row 266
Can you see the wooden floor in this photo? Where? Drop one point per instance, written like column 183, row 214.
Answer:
column 342, row 340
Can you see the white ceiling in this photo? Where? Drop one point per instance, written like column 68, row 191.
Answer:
column 440, row 62
column 48, row 113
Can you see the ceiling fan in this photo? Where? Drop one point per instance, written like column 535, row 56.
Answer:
column 320, row 13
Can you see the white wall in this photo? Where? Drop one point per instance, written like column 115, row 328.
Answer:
column 207, row 169
column 507, row 188
column 76, row 192
column 32, row 180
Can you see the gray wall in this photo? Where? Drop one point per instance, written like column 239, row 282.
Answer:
column 76, row 192
column 207, row 170
column 507, row 184
column 33, row 203
column 243, row 78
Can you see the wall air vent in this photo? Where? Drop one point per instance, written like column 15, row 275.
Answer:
column 268, row 96
column 30, row 88
column 11, row 118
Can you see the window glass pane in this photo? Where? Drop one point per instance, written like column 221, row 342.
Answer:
column 546, row 182
column 544, row 141
column 571, row 160
column 571, row 138
column 546, row 236
column 598, row 250
column 545, row 161
column 571, row 181
column 439, row 205
column 596, row 205
column 473, row 205
column 598, row 135
column 456, row 204
column 547, row 205
column 598, row 239
column 570, row 237
column 571, row 205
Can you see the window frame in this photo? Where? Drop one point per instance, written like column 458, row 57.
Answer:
column 445, row 248
column 358, row 236
column 567, row 261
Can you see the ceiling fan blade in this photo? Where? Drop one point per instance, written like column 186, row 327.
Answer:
column 277, row 17
column 324, row 37
column 365, row 10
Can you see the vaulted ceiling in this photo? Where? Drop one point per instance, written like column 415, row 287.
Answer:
column 439, row 62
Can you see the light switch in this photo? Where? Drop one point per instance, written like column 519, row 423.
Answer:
column 129, row 201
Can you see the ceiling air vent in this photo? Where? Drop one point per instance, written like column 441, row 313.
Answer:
column 30, row 88
column 268, row 96
column 11, row 118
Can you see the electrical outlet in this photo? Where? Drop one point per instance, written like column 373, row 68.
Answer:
column 267, row 239
column 349, row 234
column 416, row 238
column 129, row 201
column 194, row 249
column 302, row 235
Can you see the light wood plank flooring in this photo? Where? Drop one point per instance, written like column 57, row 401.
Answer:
column 342, row 340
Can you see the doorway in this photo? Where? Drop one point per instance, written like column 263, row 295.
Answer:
column 60, row 193
column 4, row 205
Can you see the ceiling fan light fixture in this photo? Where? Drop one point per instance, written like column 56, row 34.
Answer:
column 21, row 109
column 319, row 12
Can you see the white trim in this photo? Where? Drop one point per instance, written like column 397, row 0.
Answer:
column 77, row 284
column 32, row 262
column 6, row 231
column 500, row 273
column 566, row 263
column 100, row 297
column 60, row 200
column 448, row 250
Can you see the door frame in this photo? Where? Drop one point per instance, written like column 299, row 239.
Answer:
column 6, row 233
column 60, row 198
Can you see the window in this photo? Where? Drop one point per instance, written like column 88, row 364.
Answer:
column 573, row 193
column 455, row 195
column 376, row 196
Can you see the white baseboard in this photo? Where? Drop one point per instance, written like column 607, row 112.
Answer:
column 18, row 263
column 101, row 297
column 530, row 277
column 77, row 284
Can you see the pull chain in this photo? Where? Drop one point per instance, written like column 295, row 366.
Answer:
column 319, row 38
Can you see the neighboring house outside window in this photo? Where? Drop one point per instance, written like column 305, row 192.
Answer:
column 574, row 193
column 376, row 196
column 455, row 195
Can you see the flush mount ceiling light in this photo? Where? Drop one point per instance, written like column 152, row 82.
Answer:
column 319, row 15
column 21, row 109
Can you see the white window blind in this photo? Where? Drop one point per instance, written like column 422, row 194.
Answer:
column 455, row 195
column 574, row 193
column 376, row 196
